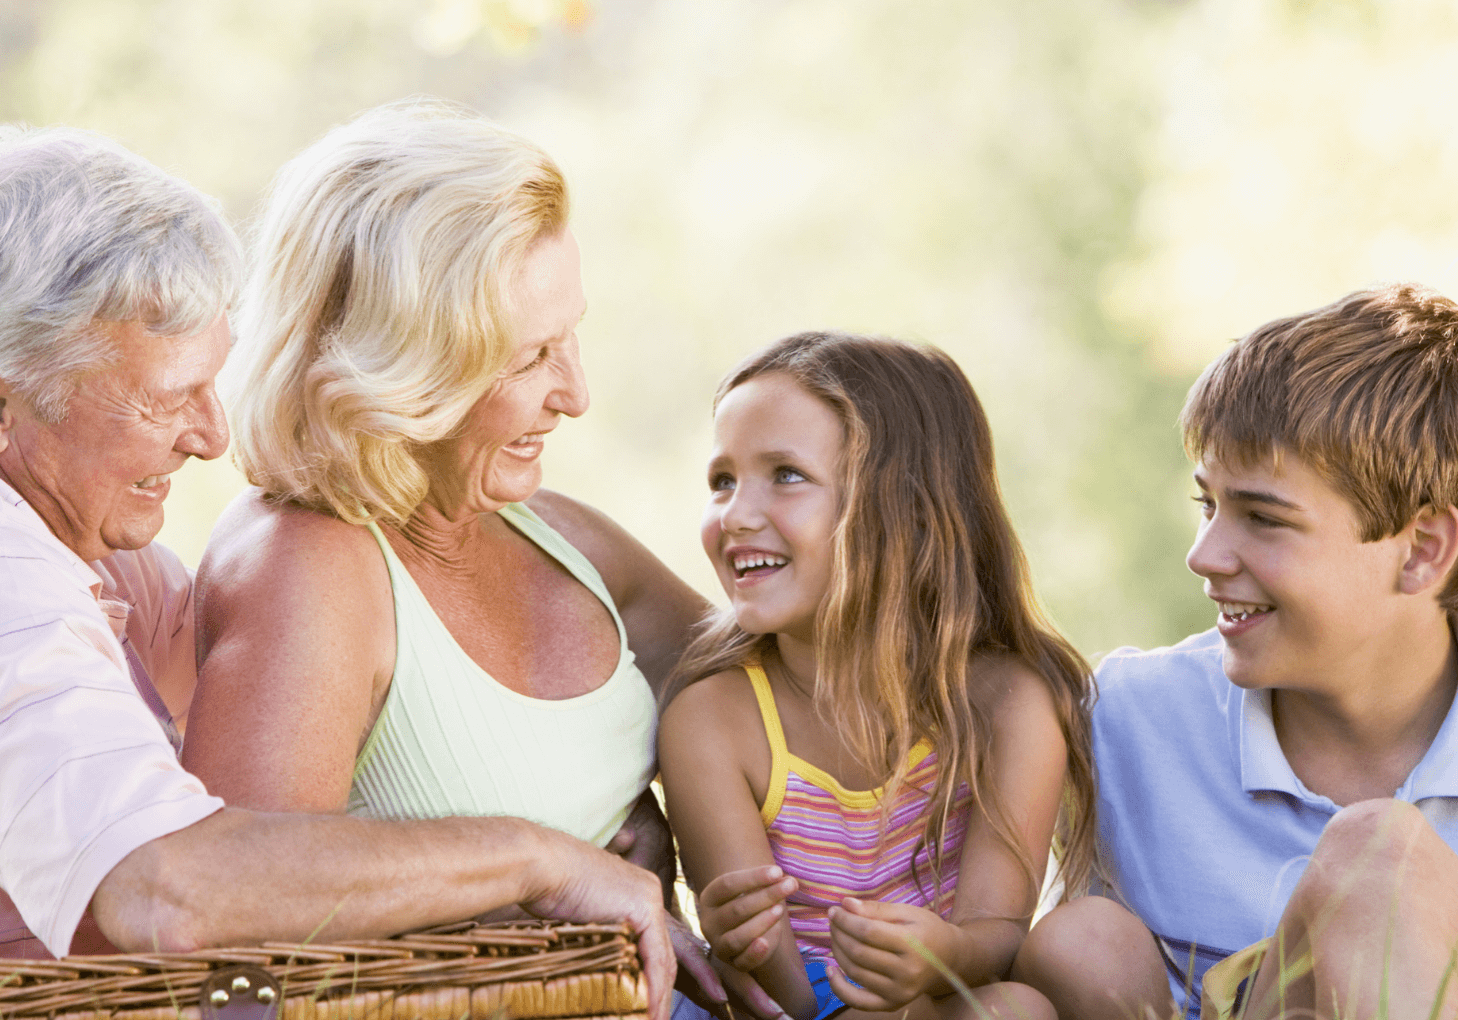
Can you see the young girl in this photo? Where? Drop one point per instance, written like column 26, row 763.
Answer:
column 867, row 759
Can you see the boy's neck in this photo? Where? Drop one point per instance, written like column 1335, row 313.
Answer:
column 1365, row 742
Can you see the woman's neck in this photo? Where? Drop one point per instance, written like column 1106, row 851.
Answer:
column 449, row 542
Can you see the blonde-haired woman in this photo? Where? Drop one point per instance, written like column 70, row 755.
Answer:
column 396, row 622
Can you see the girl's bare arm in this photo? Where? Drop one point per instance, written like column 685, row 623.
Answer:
column 714, row 754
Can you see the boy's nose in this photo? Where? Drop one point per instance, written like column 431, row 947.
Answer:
column 1211, row 555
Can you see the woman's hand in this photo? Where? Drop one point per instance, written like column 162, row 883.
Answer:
column 883, row 946
column 738, row 911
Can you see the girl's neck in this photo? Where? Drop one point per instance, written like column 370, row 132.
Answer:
column 797, row 658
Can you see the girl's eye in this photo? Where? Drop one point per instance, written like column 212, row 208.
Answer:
column 1262, row 521
column 788, row 474
column 721, row 482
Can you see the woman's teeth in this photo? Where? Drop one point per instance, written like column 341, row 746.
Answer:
column 753, row 561
column 150, row 482
column 1242, row 610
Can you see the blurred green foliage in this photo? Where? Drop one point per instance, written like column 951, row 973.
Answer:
column 1081, row 200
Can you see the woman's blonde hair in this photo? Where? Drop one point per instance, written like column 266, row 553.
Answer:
column 377, row 312
column 927, row 575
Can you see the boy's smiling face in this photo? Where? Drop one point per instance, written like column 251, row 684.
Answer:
column 1303, row 602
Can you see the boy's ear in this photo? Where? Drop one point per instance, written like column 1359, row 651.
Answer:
column 1433, row 552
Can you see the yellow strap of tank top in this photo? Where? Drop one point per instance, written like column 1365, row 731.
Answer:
column 774, row 797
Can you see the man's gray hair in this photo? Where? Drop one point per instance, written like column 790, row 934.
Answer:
column 91, row 232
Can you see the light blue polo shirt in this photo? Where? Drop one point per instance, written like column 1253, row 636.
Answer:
column 1203, row 827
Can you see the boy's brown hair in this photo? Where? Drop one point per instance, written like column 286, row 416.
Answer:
column 1364, row 390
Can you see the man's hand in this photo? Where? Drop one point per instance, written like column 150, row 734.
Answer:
column 645, row 840
column 738, row 911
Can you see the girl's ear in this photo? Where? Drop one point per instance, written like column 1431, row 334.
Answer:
column 1433, row 550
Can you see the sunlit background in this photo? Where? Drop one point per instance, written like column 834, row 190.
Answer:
column 1081, row 200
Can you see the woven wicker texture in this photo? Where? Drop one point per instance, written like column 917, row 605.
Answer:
column 531, row 971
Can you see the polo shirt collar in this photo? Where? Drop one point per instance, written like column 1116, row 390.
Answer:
column 17, row 511
column 1263, row 765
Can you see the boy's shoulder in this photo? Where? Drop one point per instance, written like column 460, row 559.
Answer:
column 1137, row 672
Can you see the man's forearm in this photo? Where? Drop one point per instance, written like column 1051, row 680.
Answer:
column 240, row 876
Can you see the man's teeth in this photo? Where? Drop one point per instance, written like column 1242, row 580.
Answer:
column 754, row 560
column 1242, row 610
column 150, row 482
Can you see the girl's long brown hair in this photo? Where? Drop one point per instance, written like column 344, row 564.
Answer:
column 927, row 576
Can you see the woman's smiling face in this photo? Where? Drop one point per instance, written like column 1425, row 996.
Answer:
column 774, row 500
column 495, row 457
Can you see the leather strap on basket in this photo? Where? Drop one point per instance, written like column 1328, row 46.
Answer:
column 240, row 993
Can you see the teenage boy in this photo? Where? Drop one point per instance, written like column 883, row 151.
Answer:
column 1282, row 791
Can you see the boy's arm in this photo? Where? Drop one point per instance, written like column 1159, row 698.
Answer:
column 705, row 739
column 995, row 896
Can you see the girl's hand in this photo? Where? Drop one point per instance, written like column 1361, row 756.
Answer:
column 873, row 946
column 738, row 911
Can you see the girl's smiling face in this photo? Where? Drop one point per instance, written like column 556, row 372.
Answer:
column 774, row 500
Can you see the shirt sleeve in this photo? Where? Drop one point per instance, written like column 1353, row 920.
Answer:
column 89, row 775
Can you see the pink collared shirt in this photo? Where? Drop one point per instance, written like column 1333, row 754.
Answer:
column 87, row 771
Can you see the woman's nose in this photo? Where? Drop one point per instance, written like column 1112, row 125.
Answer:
column 570, row 396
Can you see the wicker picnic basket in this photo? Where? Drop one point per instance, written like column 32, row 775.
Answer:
column 522, row 970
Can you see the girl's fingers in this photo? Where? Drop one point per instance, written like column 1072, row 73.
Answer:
column 881, row 934
column 756, row 953
column 733, row 884
column 852, row 954
column 739, row 940
column 857, row 997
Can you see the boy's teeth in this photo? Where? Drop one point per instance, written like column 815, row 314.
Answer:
column 1242, row 610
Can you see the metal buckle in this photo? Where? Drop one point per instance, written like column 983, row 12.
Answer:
column 240, row 993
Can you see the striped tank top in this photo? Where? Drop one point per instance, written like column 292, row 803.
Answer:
column 828, row 837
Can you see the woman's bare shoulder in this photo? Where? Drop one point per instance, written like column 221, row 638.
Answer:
column 266, row 559
column 258, row 534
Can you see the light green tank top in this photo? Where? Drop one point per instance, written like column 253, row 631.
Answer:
column 451, row 740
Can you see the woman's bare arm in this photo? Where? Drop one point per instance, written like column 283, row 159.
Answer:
column 295, row 650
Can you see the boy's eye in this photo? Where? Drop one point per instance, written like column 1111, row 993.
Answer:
column 788, row 474
column 721, row 481
column 1207, row 505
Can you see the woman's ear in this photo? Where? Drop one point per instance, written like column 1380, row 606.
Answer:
column 1433, row 550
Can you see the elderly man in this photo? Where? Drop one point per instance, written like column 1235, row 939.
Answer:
column 114, row 281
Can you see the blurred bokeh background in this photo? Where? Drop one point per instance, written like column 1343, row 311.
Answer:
column 1081, row 200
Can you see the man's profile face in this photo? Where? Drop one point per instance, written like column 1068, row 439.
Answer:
column 99, row 476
